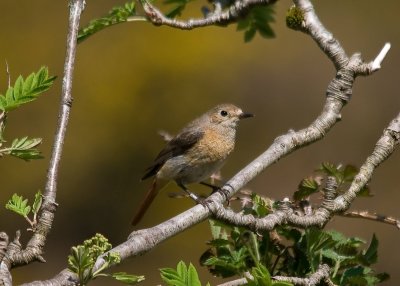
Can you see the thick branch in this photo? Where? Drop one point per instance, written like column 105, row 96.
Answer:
column 34, row 248
column 286, row 215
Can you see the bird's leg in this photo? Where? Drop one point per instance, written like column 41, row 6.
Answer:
column 213, row 187
column 190, row 194
column 221, row 190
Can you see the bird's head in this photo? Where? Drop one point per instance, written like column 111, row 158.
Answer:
column 227, row 115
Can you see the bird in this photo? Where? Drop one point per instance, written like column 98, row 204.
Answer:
column 194, row 154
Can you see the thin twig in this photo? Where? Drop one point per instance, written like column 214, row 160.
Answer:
column 228, row 15
column 372, row 216
column 8, row 75
column 322, row 274
column 35, row 246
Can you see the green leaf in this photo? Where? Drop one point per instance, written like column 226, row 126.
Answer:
column 127, row 278
column 261, row 276
column 258, row 19
column 24, row 148
column 365, row 192
column 370, row 256
column 27, row 90
column 82, row 259
column 192, row 277
column 181, row 269
column 37, row 203
column 249, row 35
column 349, row 173
column 18, row 205
column 81, row 263
column 182, row 276
column 115, row 16
column 180, row 5
column 359, row 276
column 306, row 188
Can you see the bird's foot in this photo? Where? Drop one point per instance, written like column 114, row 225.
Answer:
column 213, row 187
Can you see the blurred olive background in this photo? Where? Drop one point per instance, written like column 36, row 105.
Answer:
column 134, row 79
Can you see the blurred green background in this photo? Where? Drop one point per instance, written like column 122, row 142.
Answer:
column 133, row 79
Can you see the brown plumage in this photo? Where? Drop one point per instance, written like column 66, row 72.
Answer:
column 193, row 155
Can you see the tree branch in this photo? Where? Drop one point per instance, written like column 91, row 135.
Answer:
column 338, row 94
column 331, row 205
column 34, row 248
column 321, row 275
column 373, row 217
column 230, row 14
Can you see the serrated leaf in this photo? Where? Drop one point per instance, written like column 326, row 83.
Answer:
column 10, row 95
column 3, row 102
column 18, row 205
column 37, row 203
column 26, row 91
column 331, row 170
column 306, row 188
column 115, row 16
column 181, row 269
column 171, row 277
column 24, row 148
column 192, row 276
column 127, row 278
column 18, row 87
column 219, row 242
column 80, row 261
column 28, row 83
column 261, row 276
column 258, row 19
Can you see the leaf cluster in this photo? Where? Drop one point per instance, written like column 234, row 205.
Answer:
column 183, row 275
column 83, row 257
column 26, row 90
column 261, row 277
column 20, row 205
column 258, row 19
column 23, row 91
column 289, row 251
column 24, row 148
column 115, row 16
column 343, row 175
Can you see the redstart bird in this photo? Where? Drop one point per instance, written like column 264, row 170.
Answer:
column 192, row 156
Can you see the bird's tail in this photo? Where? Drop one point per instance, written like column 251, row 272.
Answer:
column 156, row 186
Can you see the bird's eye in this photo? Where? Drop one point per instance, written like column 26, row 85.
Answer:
column 224, row 113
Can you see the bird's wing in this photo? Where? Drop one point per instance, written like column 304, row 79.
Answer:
column 177, row 146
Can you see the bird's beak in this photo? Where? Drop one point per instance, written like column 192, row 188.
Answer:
column 245, row 115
